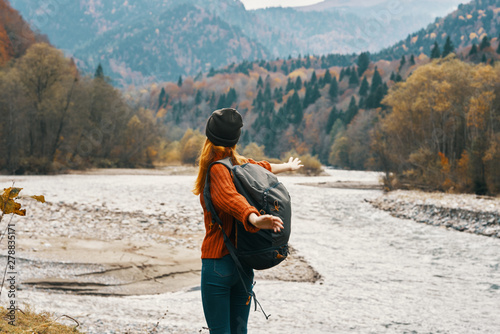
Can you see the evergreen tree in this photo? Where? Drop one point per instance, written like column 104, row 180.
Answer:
column 162, row 99
column 267, row 92
column 198, row 98
column 260, row 83
column 402, row 63
column 484, row 59
column 312, row 94
column 363, row 89
column 289, row 85
column 298, row 84
column 361, row 104
column 473, row 50
column 334, row 89
column 393, row 77
column 315, row 93
column 278, row 94
column 231, row 97
column 295, row 108
column 328, row 77
column 353, row 78
column 448, row 47
column 342, row 74
column 308, row 62
column 351, row 112
column 485, row 43
column 99, row 73
column 412, row 60
column 332, row 117
column 222, row 102
column 363, row 62
column 376, row 81
column 284, row 68
column 436, row 52
column 179, row 82
column 398, row 78
column 258, row 100
column 314, row 79
column 498, row 48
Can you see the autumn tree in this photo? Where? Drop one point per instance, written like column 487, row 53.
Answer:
column 443, row 127
column 48, row 82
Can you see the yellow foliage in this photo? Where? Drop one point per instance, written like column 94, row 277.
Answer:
column 161, row 113
column 7, row 203
column 39, row 198
column 445, row 163
column 479, row 110
column 254, row 151
column 440, row 104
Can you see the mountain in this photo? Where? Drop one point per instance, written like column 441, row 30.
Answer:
column 16, row 35
column 371, row 7
column 303, row 103
column 183, row 40
column 140, row 41
column 466, row 26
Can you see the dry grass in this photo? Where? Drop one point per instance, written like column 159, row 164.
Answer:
column 28, row 321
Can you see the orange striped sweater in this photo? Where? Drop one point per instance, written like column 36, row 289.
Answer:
column 228, row 203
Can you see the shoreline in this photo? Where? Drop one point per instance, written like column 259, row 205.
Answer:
column 461, row 212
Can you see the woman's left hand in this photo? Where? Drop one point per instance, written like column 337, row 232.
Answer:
column 294, row 164
column 267, row 222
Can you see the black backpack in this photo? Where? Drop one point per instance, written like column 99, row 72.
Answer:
column 265, row 248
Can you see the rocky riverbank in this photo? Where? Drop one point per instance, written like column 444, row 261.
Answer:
column 461, row 212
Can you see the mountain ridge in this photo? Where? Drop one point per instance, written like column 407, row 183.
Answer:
column 87, row 30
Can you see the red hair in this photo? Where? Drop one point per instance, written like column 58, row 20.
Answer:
column 210, row 153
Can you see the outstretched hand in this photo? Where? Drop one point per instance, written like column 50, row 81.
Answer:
column 266, row 222
column 294, row 164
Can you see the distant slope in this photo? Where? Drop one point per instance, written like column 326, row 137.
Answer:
column 466, row 26
column 15, row 34
column 183, row 40
column 139, row 40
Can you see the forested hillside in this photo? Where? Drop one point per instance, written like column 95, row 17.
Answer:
column 145, row 41
column 15, row 35
column 466, row 26
column 340, row 114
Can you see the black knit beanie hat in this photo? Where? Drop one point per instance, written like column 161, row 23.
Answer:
column 224, row 127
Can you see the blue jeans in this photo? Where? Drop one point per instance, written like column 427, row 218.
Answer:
column 224, row 297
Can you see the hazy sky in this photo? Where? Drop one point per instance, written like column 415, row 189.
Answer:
column 254, row 4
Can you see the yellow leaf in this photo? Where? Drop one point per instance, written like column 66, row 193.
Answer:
column 10, row 193
column 7, row 203
column 40, row 198
column 10, row 207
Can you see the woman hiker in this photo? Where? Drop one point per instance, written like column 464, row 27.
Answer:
column 223, row 295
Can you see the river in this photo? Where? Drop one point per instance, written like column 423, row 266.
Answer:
column 380, row 274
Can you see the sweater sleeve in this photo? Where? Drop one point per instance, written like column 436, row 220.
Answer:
column 226, row 198
column 262, row 163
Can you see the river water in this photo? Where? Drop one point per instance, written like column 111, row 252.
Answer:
column 380, row 274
